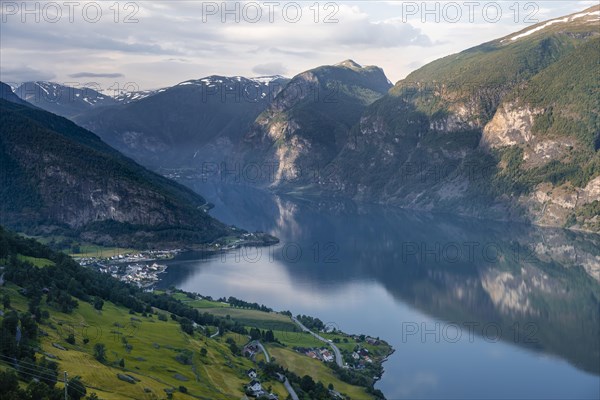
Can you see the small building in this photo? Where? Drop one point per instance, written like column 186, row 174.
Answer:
column 251, row 373
column 254, row 386
column 372, row 341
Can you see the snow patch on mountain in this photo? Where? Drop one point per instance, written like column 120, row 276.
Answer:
column 592, row 16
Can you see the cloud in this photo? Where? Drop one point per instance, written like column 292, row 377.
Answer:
column 95, row 75
column 17, row 75
column 273, row 68
column 170, row 43
column 386, row 34
column 303, row 54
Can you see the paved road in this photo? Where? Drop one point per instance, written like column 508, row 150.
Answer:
column 290, row 389
column 267, row 357
column 338, row 355
column 215, row 334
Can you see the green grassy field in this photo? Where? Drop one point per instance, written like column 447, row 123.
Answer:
column 303, row 365
column 149, row 349
column 288, row 333
column 154, row 344
column 199, row 303
column 90, row 250
column 255, row 318
column 38, row 262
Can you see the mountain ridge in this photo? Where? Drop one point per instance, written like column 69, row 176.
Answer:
column 60, row 178
column 496, row 109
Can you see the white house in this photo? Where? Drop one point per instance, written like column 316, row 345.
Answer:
column 255, row 386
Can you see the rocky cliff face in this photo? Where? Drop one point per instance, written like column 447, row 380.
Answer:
column 60, row 177
column 507, row 129
column 310, row 121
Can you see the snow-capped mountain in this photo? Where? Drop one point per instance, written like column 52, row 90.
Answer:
column 249, row 89
column 193, row 121
column 126, row 97
column 63, row 100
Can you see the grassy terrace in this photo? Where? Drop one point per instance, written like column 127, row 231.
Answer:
column 151, row 358
column 149, row 346
column 38, row 262
column 303, row 365
column 288, row 336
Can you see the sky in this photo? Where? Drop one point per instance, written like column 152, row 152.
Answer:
column 138, row 45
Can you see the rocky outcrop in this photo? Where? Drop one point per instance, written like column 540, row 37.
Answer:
column 60, row 176
column 510, row 126
column 310, row 120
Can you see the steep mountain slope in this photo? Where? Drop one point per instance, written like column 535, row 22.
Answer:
column 507, row 129
column 62, row 100
column 183, row 126
column 309, row 122
column 58, row 177
column 6, row 93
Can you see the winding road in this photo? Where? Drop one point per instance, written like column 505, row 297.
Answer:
column 290, row 389
column 267, row 357
column 338, row 355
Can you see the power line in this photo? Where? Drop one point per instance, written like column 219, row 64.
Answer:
column 58, row 380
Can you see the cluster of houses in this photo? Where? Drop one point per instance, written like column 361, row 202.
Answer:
column 148, row 255
column 322, row 353
column 361, row 356
column 255, row 389
column 143, row 275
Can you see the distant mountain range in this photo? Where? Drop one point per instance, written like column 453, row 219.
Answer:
column 505, row 130
column 181, row 126
column 62, row 100
column 62, row 179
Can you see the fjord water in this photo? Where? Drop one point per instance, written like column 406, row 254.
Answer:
column 474, row 309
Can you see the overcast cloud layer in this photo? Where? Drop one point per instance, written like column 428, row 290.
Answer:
column 156, row 44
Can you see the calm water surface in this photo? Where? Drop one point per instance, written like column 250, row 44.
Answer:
column 474, row 309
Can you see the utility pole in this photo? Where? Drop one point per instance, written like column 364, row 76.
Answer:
column 66, row 384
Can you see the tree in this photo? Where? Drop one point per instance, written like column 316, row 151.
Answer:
column 307, row 383
column 8, row 381
column 93, row 396
column 269, row 336
column 203, row 352
column 38, row 390
column 75, row 389
column 6, row 301
column 255, row 333
column 4, row 248
column 122, row 363
column 98, row 303
column 70, row 339
column 100, row 352
column 48, row 370
column 235, row 350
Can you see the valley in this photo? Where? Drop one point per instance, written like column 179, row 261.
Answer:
column 194, row 205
